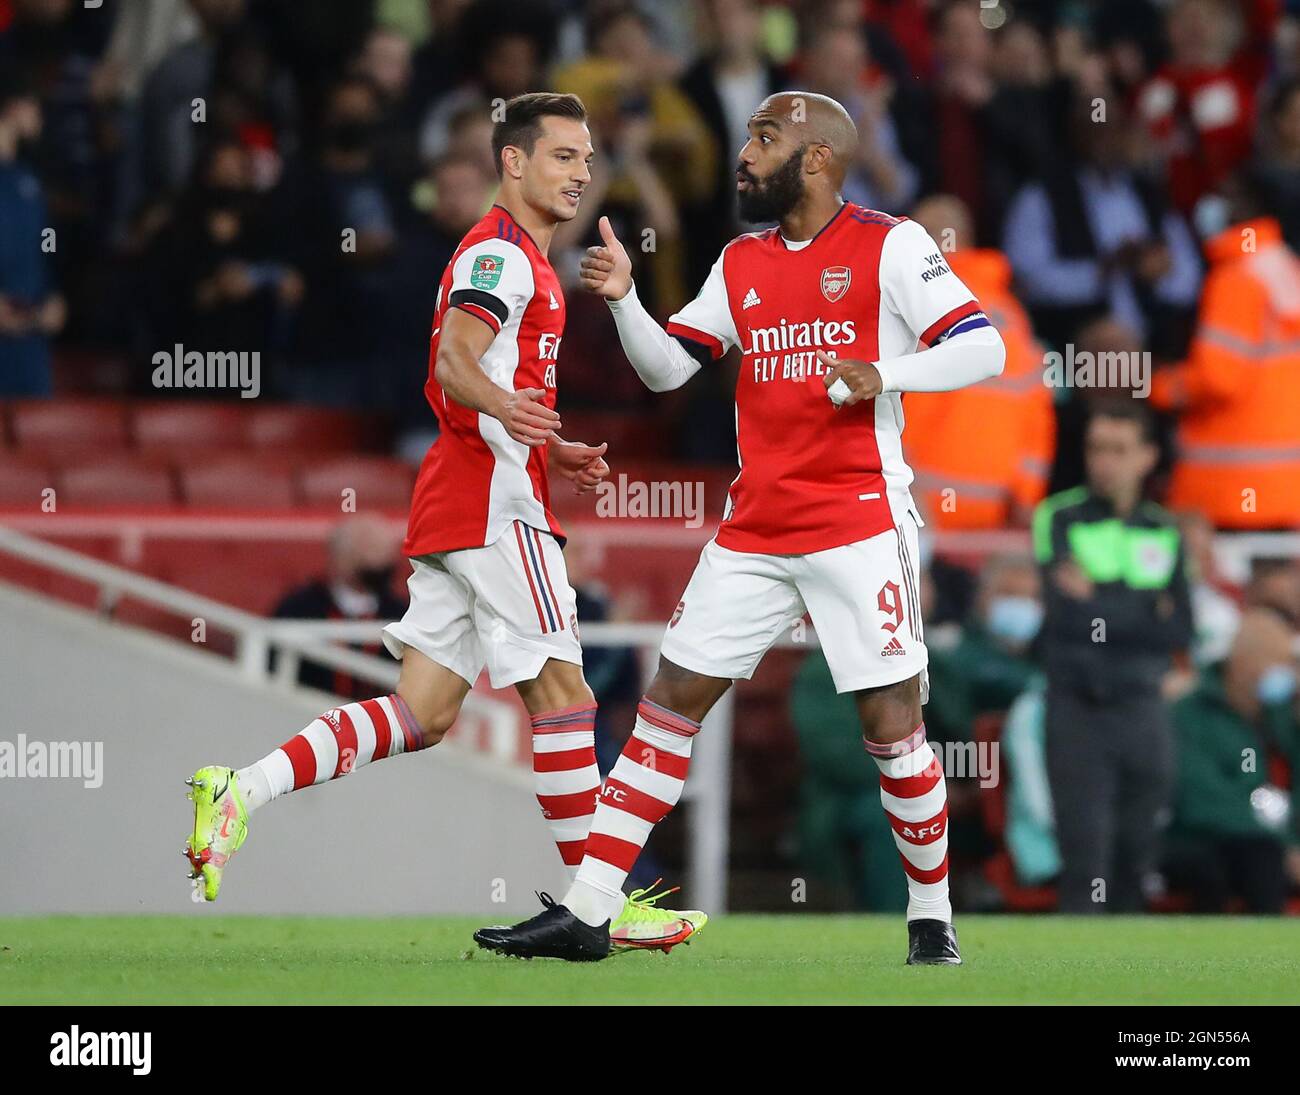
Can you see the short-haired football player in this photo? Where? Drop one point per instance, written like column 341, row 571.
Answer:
column 488, row 584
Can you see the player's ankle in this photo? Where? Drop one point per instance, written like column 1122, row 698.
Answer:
column 591, row 905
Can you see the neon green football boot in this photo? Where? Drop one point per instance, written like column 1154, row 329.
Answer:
column 220, row 826
column 644, row 926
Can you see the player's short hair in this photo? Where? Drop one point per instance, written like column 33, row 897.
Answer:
column 522, row 124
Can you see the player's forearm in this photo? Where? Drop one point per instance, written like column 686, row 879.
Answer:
column 658, row 358
column 461, row 376
column 964, row 359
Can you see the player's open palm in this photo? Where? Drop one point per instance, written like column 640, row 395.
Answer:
column 583, row 465
column 526, row 419
column 606, row 270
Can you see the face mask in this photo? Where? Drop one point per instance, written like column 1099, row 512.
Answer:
column 1210, row 216
column 1014, row 619
column 376, row 579
column 352, row 135
column 1276, row 685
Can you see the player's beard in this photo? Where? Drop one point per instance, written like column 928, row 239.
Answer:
column 771, row 199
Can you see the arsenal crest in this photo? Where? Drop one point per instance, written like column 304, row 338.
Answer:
column 835, row 282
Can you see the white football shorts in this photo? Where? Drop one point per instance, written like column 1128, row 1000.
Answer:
column 864, row 600
column 507, row 606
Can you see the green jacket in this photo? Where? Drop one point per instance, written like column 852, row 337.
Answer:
column 1140, row 595
column 1222, row 758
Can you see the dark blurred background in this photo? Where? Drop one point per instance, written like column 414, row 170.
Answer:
column 1119, row 177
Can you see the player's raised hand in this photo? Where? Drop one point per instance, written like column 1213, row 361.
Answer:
column 848, row 382
column 581, row 464
column 606, row 270
column 526, row 419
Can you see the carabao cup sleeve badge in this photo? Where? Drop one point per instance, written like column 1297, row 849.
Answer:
column 487, row 271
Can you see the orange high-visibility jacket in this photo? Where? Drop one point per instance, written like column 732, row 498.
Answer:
column 980, row 452
column 1238, row 393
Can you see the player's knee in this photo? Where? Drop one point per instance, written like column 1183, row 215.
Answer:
column 891, row 712
column 684, row 692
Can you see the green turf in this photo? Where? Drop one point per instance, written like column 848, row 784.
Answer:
column 749, row 959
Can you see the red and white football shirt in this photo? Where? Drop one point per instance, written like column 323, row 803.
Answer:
column 867, row 286
column 476, row 480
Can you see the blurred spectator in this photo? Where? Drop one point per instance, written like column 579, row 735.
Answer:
column 31, row 309
column 1117, row 608
column 1278, row 172
column 342, row 222
column 357, row 585
column 437, row 64
column 726, row 83
column 144, row 32
column 654, row 151
column 1105, row 339
column 169, row 133
column 1238, row 394
column 1030, row 832
column 1275, row 584
column 219, row 285
column 999, row 481
column 1198, row 109
column 504, row 49
column 836, row 63
column 990, row 663
column 1094, row 238
column 1232, row 823
column 452, row 198
column 385, row 60
column 962, row 90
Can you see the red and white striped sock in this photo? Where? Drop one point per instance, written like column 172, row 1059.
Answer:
column 335, row 743
column 915, row 798
column 643, row 786
column 566, row 778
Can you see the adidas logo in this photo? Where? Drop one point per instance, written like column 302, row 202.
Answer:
column 751, row 299
column 555, row 304
column 892, row 647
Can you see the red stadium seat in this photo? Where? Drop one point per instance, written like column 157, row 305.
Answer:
column 67, row 428
column 285, row 428
column 117, row 482
column 379, row 482
column 179, row 428
column 21, row 483
column 238, row 482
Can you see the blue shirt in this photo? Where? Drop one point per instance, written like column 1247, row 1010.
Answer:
column 24, row 279
column 1115, row 216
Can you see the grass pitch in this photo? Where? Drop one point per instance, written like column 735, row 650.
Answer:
column 737, row 959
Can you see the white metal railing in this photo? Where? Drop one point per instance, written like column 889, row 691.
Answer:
column 707, row 794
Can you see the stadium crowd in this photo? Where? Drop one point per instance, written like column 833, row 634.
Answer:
column 1118, row 182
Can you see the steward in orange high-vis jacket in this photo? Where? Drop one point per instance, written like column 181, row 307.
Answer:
column 1238, row 393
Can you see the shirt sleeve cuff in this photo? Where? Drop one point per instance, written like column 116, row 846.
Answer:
column 628, row 299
